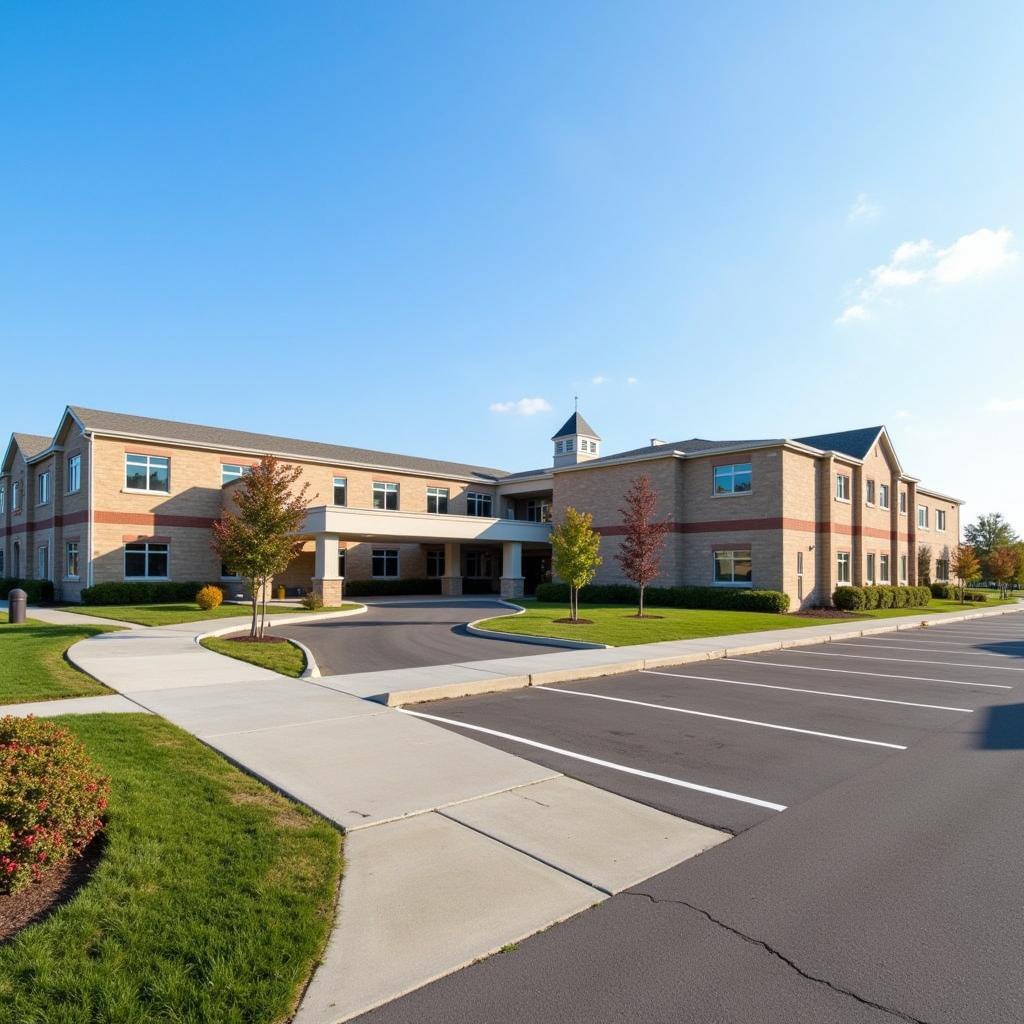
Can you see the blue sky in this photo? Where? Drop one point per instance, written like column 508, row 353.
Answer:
column 379, row 224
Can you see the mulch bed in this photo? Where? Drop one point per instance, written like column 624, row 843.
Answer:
column 40, row 899
column 257, row 640
column 824, row 613
column 578, row 622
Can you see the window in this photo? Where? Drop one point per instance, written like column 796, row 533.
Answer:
column 385, row 563
column 71, row 560
column 538, row 510
column 570, row 445
column 43, row 488
column 479, row 565
column 870, row 569
column 147, row 473
column 16, row 497
column 385, row 496
column 942, row 569
column 842, row 567
column 883, row 568
column 3, row 500
column 940, row 519
column 559, row 447
column 232, row 471
column 922, row 516
column 478, row 504
column 437, row 500
column 883, row 495
column 74, row 473
column 800, row 575
column 340, row 490
column 869, row 492
column 733, row 567
column 903, row 503
column 43, row 563
column 842, row 487
column 733, row 479
column 435, row 563
column 341, row 562
column 903, row 568
column 1, row 562
column 145, row 561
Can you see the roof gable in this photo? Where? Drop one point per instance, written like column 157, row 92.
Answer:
column 576, row 424
column 855, row 443
column 30, row 445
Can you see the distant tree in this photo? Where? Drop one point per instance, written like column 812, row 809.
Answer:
column 1002, row 567
column 640, row 551
column 924, row 565
column 258, row 541
column 966, row 567
column 1018, row 576
column 987, row 533
column 574, row 554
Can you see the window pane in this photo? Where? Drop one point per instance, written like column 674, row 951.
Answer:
column 743, row 569
column 135, row 477
column 134, row 561
column 157, row 562
column 159, row 478
column 723, row 567
column 742, row 480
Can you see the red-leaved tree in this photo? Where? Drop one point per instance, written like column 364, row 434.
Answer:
column 640, row 551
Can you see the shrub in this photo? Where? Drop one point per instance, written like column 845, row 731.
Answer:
column 312, row 600
column 38, row 591
column 140, row 592
column 859, row 599
column 210, row 597
column 387, row 588
column 51, row 799
column 850, row 599
column 711, row 598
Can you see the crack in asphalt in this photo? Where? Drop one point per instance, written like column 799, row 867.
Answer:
column 782, row 957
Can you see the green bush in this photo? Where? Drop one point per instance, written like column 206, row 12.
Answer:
column 735, row 599
column 312, row 600
column 861, row 599
column 141, row 592
column 38, row 591
column 389, row 588
column 850, row 599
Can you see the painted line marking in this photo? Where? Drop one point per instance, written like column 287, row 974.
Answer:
column 876, row 675
column 904, row 661
column 723, row 718
column 724, row 793
column 965, row 648
column 1012, row 637
column 820, row 693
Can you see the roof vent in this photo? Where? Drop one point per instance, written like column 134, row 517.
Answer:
column 655, row 441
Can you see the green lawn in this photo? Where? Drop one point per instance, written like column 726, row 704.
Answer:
column 211, row 904
column 32, row 663
column 285, row 658
column 936, row 605
column 186, row 611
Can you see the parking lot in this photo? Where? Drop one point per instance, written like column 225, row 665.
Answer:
column 732, row 742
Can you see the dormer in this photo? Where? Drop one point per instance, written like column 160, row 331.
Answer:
column 576, row 442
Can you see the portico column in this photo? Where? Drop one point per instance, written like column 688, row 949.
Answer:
column 512, row 569
column 451, row 582
column 326, row 580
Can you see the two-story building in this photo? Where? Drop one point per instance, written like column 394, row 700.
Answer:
column 112, row 496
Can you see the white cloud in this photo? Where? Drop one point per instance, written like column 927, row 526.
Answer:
column 975, row 255
column 1005, row 405
column 853, row 313
column 862, row 209
column 524, row 407
column 889, row 276
column 598, row 380
column 909, row 251
column 903, row 414
column 631, row 380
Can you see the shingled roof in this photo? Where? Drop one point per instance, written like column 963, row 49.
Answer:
column 30, row 445
column 856, row 443
column 101, row 422
column 576, row 424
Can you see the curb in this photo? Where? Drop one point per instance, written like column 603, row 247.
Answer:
column 289, row 620
column 528, row 638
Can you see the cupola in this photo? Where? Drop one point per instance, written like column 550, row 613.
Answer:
column 576, row 442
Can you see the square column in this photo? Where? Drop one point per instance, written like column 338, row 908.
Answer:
column 512, row 581
column 451, row 582
column 326, row 580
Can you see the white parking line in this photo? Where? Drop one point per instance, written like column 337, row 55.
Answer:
column 724, row 793
column 913, row 650
column 904, row 661
column 798, row 689
column 1012, row 637
column 876, row 675
column 722, row 718
column 894, row 643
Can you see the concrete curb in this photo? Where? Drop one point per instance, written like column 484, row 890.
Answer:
column 527, row 638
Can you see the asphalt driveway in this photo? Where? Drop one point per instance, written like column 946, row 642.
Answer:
column 406, row 634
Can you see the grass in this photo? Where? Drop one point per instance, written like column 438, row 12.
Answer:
column 935, row 605
column 285, row 658
column 32, row 663
column 211, row 904
column 186, row 611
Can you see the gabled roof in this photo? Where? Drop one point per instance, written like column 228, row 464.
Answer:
column 30, row 445
column 122, row 424
column 576, row 424
column 856, row 443
column 692, row 446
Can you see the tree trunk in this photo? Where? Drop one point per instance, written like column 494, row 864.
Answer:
column 252, row 628
column 573, row 603
column 263, row 616
column 640, row 614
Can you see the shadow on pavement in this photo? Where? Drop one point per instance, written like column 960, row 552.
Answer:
column 1003, row 728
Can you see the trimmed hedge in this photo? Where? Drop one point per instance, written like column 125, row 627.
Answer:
column 141, row 593
column 733, row 599
column 39, row 591
column 951, row 592
column 861, row 599
column 391, row 588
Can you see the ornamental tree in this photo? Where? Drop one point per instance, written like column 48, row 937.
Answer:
column 258, row 541
column 640, row 551
column 1002, row 567
column 924, row 565
column 574, row 554
column 966, row 567
column 987, row 533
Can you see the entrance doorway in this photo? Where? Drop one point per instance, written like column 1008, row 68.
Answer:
column 536, row 569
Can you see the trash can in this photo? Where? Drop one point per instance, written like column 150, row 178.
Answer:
column 280, row 593
column 17, row 602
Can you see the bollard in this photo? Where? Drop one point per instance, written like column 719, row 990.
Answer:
column 17, row 602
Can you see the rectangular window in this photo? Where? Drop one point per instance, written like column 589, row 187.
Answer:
column 3, row 500
column 341, row 562
column 842, row 567
column 385, row 496
column 437, row 500
column 942, row 569
column 842, row 487
column 883, row 495
column 903, row 568
column 15, row 497
column 570, row 445
column 145, row 561
column 43, row 562
column 940, row 519
column 341, row 490
column 903, row 503
column 869, row 574
column 869, row 492
column 479, row 565
column 478, row 504
column 558, row 447
column 733, row 479
column 883, row 568
column 922, row 516
column 435, row 563
column 147, row 473
column 385, row 563
column 735, row 567
column 71, row 560
column 538, row 510
column 232, row 471
column 74, row 473
column 43, row 488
